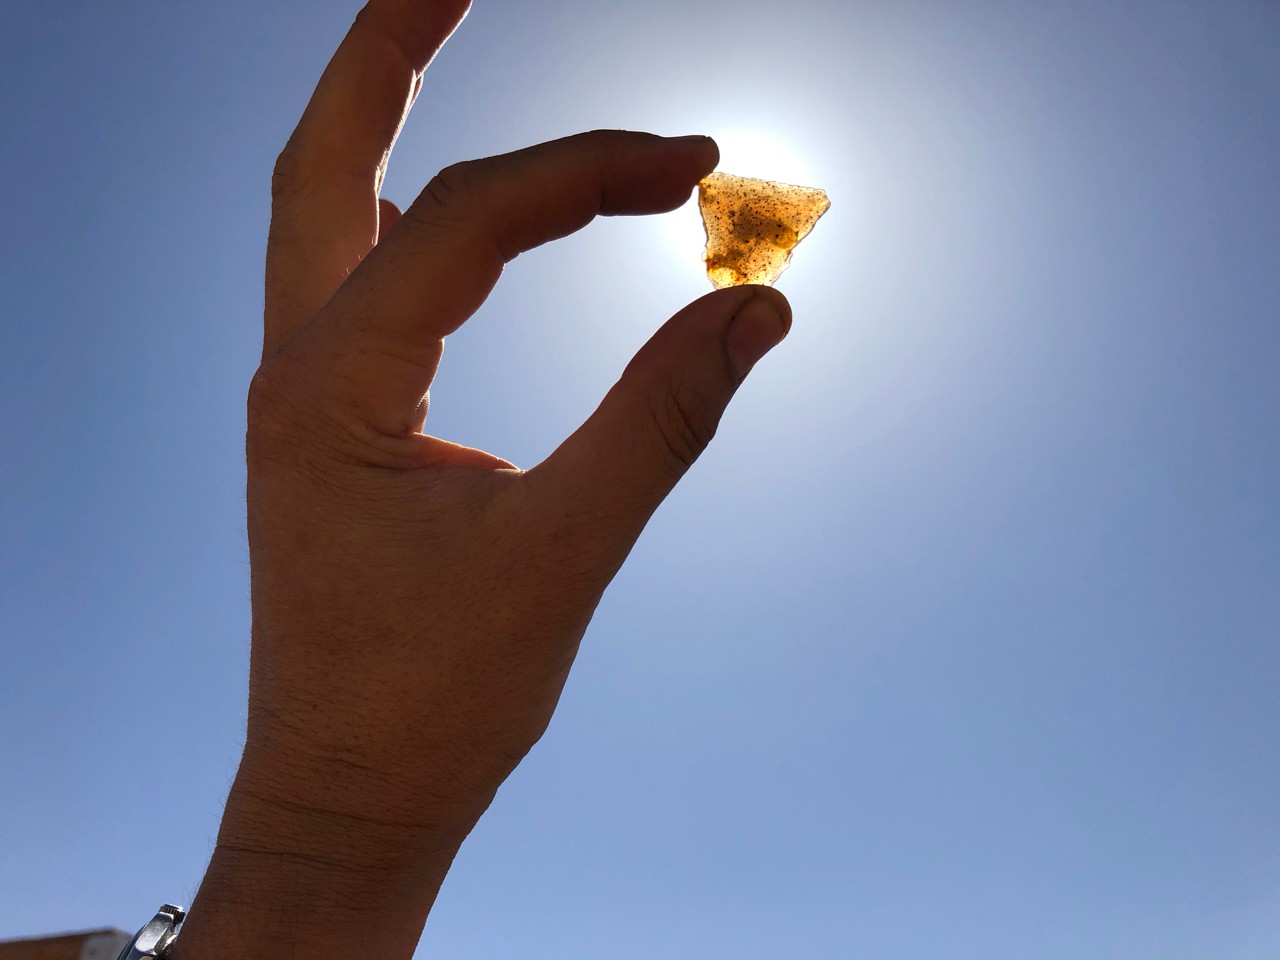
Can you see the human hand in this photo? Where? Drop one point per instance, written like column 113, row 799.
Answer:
column 418, row 604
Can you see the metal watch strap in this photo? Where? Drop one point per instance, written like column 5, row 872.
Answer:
column 156, row 938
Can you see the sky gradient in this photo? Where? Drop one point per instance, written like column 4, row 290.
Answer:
column 961, row 641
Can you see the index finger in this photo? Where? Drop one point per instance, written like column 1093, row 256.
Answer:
column 325, row 187
column 385, row 326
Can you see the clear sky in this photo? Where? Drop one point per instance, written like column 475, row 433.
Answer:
column 961, row 641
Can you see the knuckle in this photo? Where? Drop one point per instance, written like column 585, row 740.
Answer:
column 446, row 207
column 455, row 207
column 283, row 415
column 292, row 420
column 684, row 424
column 269, row 407
column 451, row 190
column 290, row 180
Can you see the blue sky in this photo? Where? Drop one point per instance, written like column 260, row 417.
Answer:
column 960, row 641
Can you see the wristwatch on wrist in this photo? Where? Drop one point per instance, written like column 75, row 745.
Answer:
column 157, row 937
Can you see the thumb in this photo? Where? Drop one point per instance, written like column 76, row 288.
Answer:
column 616, row 469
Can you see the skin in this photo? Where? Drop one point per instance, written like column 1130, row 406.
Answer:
column 418, row 604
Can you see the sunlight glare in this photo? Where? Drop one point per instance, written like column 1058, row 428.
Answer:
column 758, row 153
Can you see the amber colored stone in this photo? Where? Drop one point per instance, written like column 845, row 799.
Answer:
column 754, row 225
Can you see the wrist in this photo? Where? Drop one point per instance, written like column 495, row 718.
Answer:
column 291, row 874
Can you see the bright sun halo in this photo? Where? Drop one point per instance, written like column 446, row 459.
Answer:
column 758, row 153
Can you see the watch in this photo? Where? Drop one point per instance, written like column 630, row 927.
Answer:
column 157, row 937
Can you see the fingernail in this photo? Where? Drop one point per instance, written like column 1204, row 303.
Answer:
column 755, row 329
column 693, row 138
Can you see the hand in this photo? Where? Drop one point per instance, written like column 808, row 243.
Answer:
column 418, row 604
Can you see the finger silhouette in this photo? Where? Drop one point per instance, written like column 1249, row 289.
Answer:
column 381, row 335
column 615, row 470
column 324, row 217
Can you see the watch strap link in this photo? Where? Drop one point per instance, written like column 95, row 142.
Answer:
column 156, row 938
